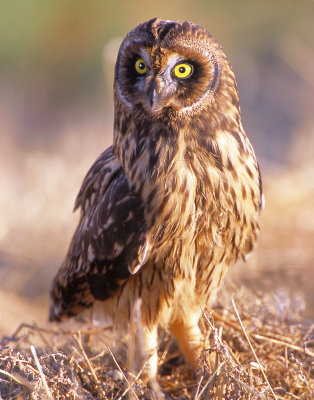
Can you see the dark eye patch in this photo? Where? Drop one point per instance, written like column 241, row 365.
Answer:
column 192, row 87
column 197, row 72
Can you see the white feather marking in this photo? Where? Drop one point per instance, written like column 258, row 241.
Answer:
column 90, row 253
column 144, row 254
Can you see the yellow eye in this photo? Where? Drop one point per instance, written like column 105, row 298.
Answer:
column 183, row 70
column 140, row 66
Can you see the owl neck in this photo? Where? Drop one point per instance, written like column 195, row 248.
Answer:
column 156, row 152
column 146, row 148
column 169, row 165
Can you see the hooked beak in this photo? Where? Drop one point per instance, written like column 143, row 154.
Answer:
column 153, row 95
column 156, row 97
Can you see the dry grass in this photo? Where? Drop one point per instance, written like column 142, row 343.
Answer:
column 279, row 369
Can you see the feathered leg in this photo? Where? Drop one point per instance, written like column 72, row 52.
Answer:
column 142, row 349
column 188, row 335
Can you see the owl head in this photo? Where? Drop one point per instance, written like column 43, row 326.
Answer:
column 173, row 68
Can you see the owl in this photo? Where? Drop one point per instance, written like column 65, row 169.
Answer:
column 174, row 201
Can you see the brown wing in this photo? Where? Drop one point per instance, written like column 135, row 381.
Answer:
column 109, row 243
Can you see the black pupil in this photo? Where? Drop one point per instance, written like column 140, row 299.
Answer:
column 182, row 70
column 141, row 66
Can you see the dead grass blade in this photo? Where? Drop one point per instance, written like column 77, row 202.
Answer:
column 18, row 378
column 253, row 351
column 281, row 342
column 209, row 382
column 262, row 337
column 124, row 376
column 43, row 378
column 78, row 341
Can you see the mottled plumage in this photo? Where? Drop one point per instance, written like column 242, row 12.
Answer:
column 175, row 200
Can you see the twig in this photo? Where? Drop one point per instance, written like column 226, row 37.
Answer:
column 291, row 346
column 229, row 354
column 249, row 388
column 126, row 379
column 18, row 378
column 211, row 325
column 253, row 351
column 54, row 330
column 226, row 321
column 198, row 387
column 262, row 337
column 79, row 343
column 129, row 387
column 216, row 372
column 43, row 378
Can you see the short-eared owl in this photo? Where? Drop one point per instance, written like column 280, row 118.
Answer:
column 175, row 200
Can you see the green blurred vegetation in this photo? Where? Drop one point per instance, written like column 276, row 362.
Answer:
column 52, row 59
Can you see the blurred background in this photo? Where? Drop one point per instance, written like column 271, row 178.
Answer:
column 56, row 116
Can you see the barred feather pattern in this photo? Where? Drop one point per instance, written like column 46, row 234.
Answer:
column 174, row 201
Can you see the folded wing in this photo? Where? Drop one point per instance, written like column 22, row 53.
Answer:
column 109, row 243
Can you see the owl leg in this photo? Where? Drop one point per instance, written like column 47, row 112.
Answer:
column 142, row 348
column 149, row 344
column 188, row 335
